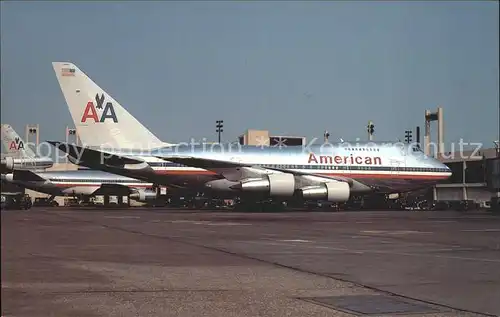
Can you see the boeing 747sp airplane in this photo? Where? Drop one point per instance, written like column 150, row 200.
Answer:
column 332, row 172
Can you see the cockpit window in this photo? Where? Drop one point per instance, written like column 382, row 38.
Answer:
column 416, row 148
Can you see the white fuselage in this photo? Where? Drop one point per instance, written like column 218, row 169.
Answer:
column 389, row 168
column 76, row 183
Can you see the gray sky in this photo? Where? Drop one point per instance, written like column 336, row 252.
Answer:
column 294, row 68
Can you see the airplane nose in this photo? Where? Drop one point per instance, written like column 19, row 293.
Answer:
column 441, row 167
column 444, row 166
column 447, row 169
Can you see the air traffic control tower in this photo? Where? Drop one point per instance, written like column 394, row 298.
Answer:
column 429, row 117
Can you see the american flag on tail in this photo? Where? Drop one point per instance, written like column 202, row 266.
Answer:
column 68, row 72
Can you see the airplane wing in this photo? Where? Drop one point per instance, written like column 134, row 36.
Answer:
column 103, row 189
column 236, row 170
column 113, row 189
column 87, row 155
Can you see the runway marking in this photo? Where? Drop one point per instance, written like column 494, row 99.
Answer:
column 209, row 223
column 297, row 240
column 228, row 224
column 360, row 237
column 453, row 249
column 410, row 232
column 122, row 217
column 396, row 232
column 481, row 230
column 377, row 252
column 270, row 243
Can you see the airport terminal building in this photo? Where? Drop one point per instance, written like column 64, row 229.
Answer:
column 475, row 178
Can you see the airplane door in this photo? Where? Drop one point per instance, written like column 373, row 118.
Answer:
column 395, row 166
column 403, row 152
column 398, row 162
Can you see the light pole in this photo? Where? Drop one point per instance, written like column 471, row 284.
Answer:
column 418, row 136
column 70, row 131
column 408, row 136
column 33, row 129
column 370, row 128
column 219, row 127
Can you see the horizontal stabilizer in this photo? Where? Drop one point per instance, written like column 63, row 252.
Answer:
column 26, row 176
column 91, row 156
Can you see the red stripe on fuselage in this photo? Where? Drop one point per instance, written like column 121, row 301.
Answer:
column 351, row 175
column 97, row 185
column 398, row 176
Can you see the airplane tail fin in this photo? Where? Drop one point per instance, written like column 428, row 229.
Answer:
column 15, row 146
column 99, row 119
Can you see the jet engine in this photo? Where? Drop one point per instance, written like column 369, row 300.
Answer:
column 8, row 163
column 143, row 195
column 279, row 184
column 331, row 191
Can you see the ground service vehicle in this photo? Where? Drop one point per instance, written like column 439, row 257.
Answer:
column 16, row 201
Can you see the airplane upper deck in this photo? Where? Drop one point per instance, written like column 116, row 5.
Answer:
column 315, row 148
column 185, row 147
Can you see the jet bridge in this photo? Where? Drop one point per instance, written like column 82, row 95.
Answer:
column 475, row 178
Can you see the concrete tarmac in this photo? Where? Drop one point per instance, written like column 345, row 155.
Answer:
column 154, row 262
